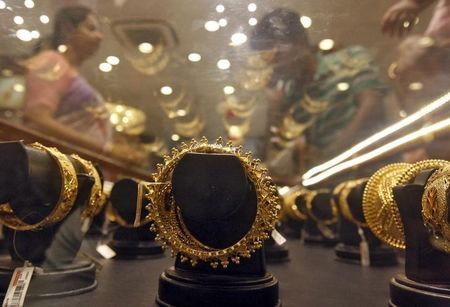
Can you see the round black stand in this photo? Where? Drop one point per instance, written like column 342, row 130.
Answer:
column 275, row 253
column 408, row 293
column 379, row 255
column 135, row 249
column 291, row 228
column 313, row 235
column 218, row 210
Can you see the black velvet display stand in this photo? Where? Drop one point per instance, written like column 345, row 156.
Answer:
column 274, row 252
column 132, row 243
column 426, row 281
column 349, row 240
column 218, row 206
column 313, row 235
column 30, row 182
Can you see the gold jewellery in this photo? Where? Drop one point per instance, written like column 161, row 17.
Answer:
column 377, row 211
column 309, row 206
column 435, row 208
column 69, row 188
column 343, row 194
column 168, row 221
column 290, row 207
column 97, row 198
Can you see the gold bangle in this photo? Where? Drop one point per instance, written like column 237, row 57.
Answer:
column 289, row 206
column 435, row 208
column 344, row 205
column 168, row 223
column 68, row 194
column 334, row 210
column 377, row 213
column 96, row 198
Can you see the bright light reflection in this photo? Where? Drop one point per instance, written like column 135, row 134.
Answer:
column 306, row 22
column 252, row 7
column 212, row 26
column 166, row 90
column 253, row 21
column 194, row 57
column 35, row 34
column 113, row 60
column 62, row 48
column 24, row 35
column 326, row 44
column 19, row 88
column 416, row 86
column 228, row 90
column 145, row 47
column 29, row 4
column 220, row 8
column 223, row 64
column 2, row 5
column 44, row 19
column 175, row 137
column 105, row 67
column 238, row 39
column 342, row 86
column 18, row 20
column 223, row 22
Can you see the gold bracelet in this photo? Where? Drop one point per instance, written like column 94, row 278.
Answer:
column 289, row 206
column 168, row 222
column 435, row 208
column 406, row 177
column 68, row 194
column 334, row 210
column 377, row 213
column 344, row 205
column 96, row 198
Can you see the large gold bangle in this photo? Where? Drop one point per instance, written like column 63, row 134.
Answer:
column 377, row 213
column 409, row 174
column 96, row 198
column 309, row 207
column 68, row 194
column 290, row 208
column 344, row 205
column 168, row 222
column 435, row 208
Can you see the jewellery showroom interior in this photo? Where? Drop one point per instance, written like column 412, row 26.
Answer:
column 225, row 153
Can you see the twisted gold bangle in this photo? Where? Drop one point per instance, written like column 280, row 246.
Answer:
column 168, row 222
column 289, row 206
column 344, row 205
column 377, row 213
column 69, row 188
column 334, row 210
column 435, row 208
column 96, row 198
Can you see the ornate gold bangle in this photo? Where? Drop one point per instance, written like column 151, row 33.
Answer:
column 289, row 206
column 409, row 174
column 377, row 213
column 69, row 188
column 309, row 206
column 96, row 198
column 168, row 222
column 435, row 208
column 343, row 202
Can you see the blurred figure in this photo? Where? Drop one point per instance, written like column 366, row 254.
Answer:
column 401, row 18
column 319, row 104
column 59, row 100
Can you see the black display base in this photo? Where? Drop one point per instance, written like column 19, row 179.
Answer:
column 136, row 249
column 319, row 240
column 408, row 293
column 178, row 288
column 68, row 280
column 379, row 255
column 276, row 253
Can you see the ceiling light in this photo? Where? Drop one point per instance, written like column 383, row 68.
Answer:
column 29, row 4
column 194, row 57
column 44, row 19
column 238, row 39
column 212, row 26
column 145, row 47
column 220, row 8
column 223, row 64
column 228, row 90
column 342, row 86
column 175, row 137
column 252, row 7
column 24, row 35
column 253, row 21
column 223, row 22
column 35, row 34
column 166, row 90
column 306, row 21
column 18, row 20
column 105, row 67
column 113, row 60
column 326, row 44
column 62, row 48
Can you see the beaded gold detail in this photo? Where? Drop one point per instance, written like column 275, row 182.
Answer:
column 377, row 212
column 68, row 194
column 343, row 201
column 290, row 207
column 435, row 208
column 97, row 198
column 168, row 222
